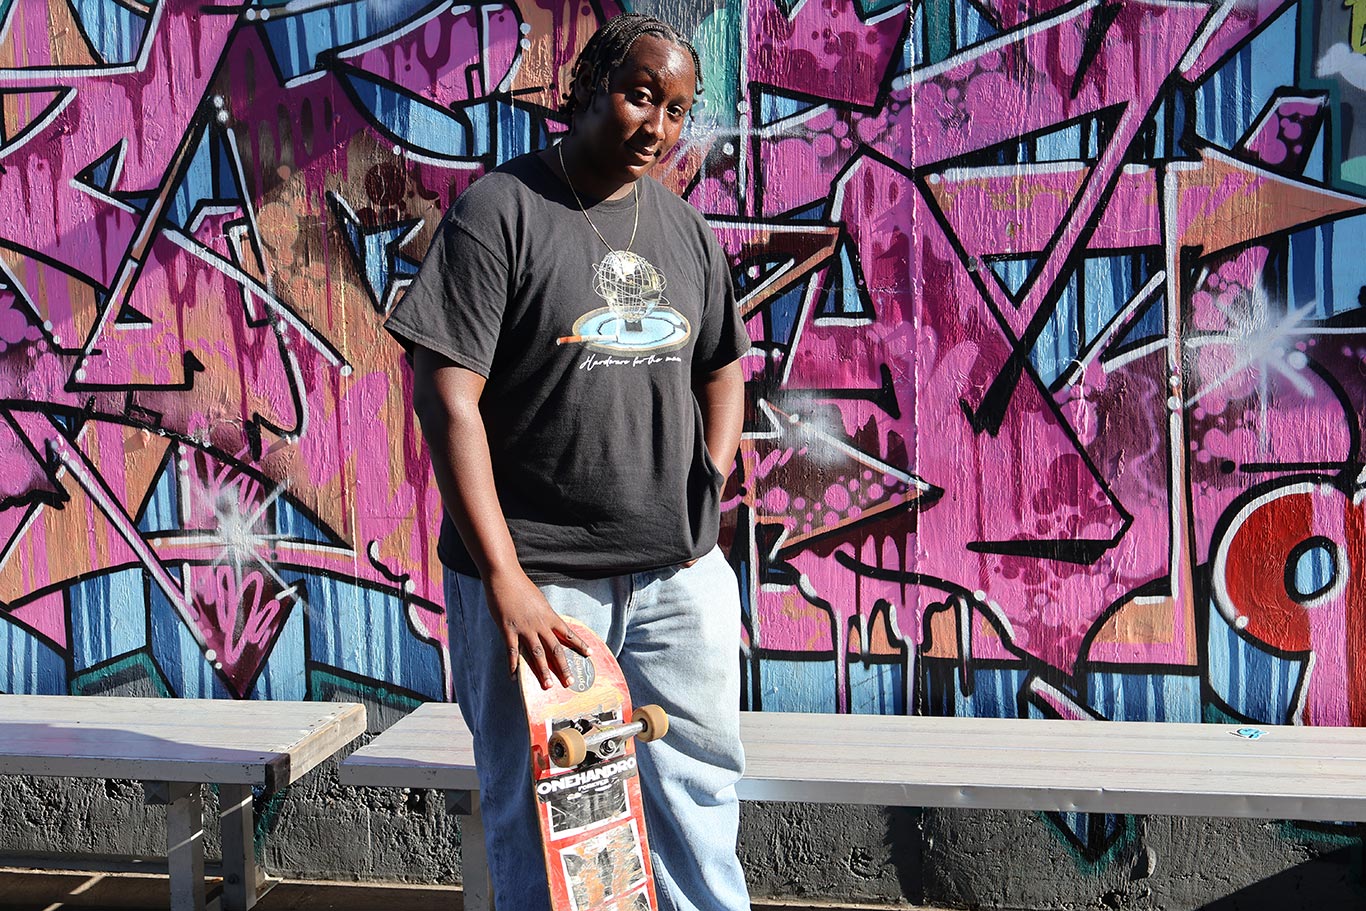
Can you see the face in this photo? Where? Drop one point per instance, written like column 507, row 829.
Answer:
column 627, row 128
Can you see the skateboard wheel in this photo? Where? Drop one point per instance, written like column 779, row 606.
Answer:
column 567, row 748
column 654, row 722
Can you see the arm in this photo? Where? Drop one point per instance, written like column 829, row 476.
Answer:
column 446, row 400
column 721, row 394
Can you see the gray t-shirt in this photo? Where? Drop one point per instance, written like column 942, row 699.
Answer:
column 595, row 434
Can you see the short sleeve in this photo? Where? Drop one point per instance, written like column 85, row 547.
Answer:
column 723, row 338
column 456, row 302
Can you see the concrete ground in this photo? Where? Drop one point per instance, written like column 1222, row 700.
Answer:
column 47, row 890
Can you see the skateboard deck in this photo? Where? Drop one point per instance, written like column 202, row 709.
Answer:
column 587, row 790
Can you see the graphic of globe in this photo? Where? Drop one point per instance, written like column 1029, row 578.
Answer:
column 632, row 287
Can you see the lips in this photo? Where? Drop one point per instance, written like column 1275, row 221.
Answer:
column 643, row 154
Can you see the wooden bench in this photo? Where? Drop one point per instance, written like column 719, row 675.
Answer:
column 984, row 763
column 175, row 747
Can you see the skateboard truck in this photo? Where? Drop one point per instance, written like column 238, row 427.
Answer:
column 570, row 746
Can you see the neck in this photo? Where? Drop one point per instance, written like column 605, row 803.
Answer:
column 592, row 185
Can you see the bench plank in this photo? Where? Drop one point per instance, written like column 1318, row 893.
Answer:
column 1009, row 733
column 1068, row 766
column 1117, row 767
column 190, row 740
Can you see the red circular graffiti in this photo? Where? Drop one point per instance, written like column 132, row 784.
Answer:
column 1257, row 587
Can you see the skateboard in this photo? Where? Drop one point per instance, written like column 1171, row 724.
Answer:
column 583, row 761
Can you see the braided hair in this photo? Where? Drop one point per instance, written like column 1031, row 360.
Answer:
column 607, row 50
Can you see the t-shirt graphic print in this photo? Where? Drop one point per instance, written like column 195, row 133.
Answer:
column 637, row 318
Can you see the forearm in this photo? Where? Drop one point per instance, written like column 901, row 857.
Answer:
column 460, row 459
column 459, row 451
column 721, row 395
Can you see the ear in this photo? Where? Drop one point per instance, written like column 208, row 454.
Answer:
column 583, row 90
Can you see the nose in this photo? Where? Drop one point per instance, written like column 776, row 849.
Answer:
column 654, row 122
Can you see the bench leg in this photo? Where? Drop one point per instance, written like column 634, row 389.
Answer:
column 184, row 840
column 474, row 872
column 241, row 875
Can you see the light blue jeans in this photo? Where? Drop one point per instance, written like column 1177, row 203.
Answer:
column 675, row 633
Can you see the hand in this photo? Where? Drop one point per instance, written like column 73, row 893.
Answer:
column 531, row 628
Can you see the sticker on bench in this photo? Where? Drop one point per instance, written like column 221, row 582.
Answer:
column 1249, row 733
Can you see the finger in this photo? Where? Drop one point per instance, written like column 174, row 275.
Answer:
column 559, row 662
column 540, row 665
column 565, row 633
column 514, row 654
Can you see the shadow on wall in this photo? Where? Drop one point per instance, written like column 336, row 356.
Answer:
column 995, row 859
column 905, row 843
column 1319, row 882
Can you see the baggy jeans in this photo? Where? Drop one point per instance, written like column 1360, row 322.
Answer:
column 675, row 632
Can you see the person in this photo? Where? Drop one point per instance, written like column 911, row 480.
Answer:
column 576, row 375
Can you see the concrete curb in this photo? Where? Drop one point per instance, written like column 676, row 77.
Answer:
column 33, row 889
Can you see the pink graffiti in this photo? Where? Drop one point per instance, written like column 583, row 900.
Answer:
column 824, row 50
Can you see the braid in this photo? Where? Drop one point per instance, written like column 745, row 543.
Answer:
column 610, row 44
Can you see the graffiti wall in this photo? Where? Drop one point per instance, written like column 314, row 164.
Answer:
column 1054, row 401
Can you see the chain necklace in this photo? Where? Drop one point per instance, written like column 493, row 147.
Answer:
column 631, row 285
column 635, row 189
